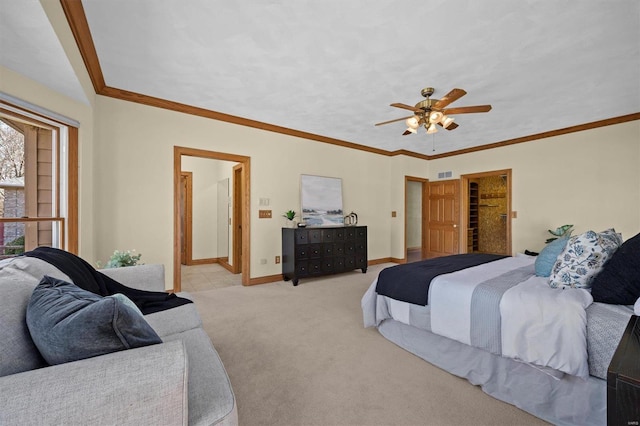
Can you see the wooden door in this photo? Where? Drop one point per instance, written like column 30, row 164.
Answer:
column 238, row 214
column 443, row 221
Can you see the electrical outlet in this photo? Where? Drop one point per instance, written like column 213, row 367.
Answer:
column 277, row 259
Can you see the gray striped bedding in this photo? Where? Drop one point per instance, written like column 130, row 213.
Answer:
column 605, row 323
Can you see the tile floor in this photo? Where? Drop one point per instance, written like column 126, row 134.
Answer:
column 207, row 277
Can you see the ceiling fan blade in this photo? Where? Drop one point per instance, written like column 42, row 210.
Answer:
column 450, row 127
column 467, row 110
column 453, row 95
column 392, row 121
column 406, row 132
column 405, row 106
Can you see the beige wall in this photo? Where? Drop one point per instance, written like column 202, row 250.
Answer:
column 133, row 180
column 590, row 179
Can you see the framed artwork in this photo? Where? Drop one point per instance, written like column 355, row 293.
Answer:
column 321, row 200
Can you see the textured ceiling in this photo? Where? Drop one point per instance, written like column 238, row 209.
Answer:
column 332, row 67
column 29, row 46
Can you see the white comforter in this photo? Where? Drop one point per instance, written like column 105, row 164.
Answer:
column 450, row 296
column 546, row 326
column 540, row 325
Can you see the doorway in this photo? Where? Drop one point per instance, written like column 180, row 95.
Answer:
column 486, row 199
column 415, row 190
column 239, row 218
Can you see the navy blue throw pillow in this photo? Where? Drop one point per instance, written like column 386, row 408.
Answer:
column 68, row 323
column 619, row 280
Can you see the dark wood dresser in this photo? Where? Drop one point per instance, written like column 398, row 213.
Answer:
column 308, row 252
column 623, row 378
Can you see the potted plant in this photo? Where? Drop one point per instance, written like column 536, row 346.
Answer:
column 290, row 215
column 562, row 231
column 121, row 259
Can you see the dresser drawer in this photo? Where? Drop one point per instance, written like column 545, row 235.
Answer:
column 328, row 236
column 322, row 251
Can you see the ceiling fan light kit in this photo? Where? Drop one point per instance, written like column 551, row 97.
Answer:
column 435, row 116
column 413, row 123
column 446, row 121
column 431, row 112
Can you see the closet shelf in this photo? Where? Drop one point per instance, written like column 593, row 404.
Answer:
column 493, row 195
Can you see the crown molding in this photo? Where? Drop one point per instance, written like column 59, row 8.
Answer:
column 74, row 11
column 544, row 135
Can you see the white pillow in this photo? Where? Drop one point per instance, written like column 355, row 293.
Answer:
column 583, row 258
column 636, row 307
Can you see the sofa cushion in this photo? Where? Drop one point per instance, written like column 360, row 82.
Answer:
column 175, row 320
column 68, row 323
column 211, row 398
column 142, row 277
column 18, row 277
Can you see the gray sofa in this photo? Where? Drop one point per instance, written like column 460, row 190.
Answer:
column 180, row 381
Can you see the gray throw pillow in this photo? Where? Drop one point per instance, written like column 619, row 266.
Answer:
column 68, row 323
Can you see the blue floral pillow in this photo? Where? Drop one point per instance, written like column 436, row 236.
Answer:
column 583, row 258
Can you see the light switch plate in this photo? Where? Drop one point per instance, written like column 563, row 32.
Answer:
column 264, row 214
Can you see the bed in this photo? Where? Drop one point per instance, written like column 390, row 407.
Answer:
column 503, row 327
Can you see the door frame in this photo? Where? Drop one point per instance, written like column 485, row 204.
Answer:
column 464, row 205
column 178, row 152
column 187, row 233
column 236, row 220
column 423, row 222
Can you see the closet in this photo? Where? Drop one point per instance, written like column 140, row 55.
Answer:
column 487, row 213
column 472, row 230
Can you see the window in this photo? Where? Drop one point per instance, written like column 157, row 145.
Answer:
column 38, row 182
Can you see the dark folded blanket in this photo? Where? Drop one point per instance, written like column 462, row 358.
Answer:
column 410, row 282
column 88, row 278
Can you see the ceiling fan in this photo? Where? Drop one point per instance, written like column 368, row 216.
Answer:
column 431, row 112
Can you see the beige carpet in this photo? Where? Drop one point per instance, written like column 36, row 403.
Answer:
column 300, row 356
column 206, row 277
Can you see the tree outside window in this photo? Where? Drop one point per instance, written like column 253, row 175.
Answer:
column 11, row 188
